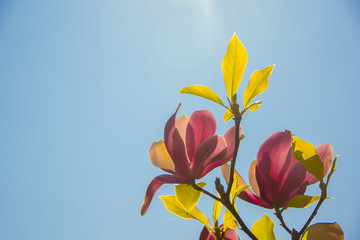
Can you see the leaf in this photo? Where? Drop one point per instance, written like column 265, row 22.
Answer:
column 216, row 210
column 263, row 229
column 258, row 83
column 324, row 231
column 228, row 115
column 240, row 189
column 233, row 65
column 187, row 196
column 202, row 91
column 236, row 189
column 229, row 221
column 306, row 153
column 301, row 201
column 173, row 206
column 254, row 106
column 233, row 189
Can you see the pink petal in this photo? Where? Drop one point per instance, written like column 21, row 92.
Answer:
column 325, row 152
column 201, row 126
column 293, row 184
column 275, row 150
column 252, row 198
column 252, row 178
column 180, row 159
column 212, row 150
column 246, row 195
column 169, row 129
column 273, row 163
column 207, row 235
column 231, row 234
column 230, row 140
column 155, row 184
column 211, row 166
column 268, row 186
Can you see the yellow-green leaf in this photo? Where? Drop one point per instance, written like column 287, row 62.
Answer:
column 324, row 231
column 306, row 153
column 187, row 196
column 233, row 188
column 301, row 201
column 216, row 210
column 255, row 106
column 263, row 229
column 258, row 83
column 240, row 189
column 173, row 206
column 233, row 65
column 202, row 91
column 229, row 221
column 228, row 115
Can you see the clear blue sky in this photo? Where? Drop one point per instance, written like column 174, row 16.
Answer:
column 87, row 86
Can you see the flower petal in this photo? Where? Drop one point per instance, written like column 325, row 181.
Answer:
column 155, row 184
column 293, row 185
column 231, row 234
column 169, row 129
column 247, row 194
column 230, row 140
column 275, row 150
column 252, row 178
column 181, row 125
column 211, row 166
column 201, row 126
column 207, row 235
column 160, row 157
column 212, row 150
column 180, row 159
column 225, row 170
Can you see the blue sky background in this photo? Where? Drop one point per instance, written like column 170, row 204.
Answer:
column 87, row 86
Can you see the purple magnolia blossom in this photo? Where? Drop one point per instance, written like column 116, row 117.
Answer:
column 230, row 234
column 276, row 176
column 190, row 150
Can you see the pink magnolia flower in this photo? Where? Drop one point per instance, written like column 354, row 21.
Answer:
column 230, row 234
column 190, row 150
column 276, row 176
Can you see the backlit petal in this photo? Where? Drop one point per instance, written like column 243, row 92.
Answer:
column 201, row 126
column 225, row 170
column 252, row 178
column 231, row 234
column 212, row 150
column 181, row 124
column 160, row 157
column 275, row 150
column 247, row 194
column 155, row 184
column 169, row 129
column 180, row 159
column 207, row 235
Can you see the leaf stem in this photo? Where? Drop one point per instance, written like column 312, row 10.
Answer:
column 196, row 187
column 237, row 120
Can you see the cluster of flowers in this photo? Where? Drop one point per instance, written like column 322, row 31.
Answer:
column 284, row 167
